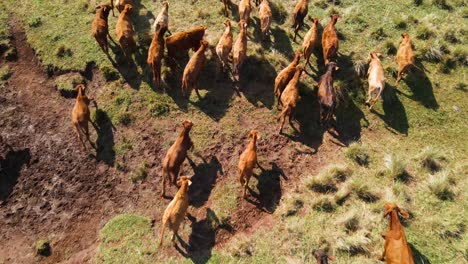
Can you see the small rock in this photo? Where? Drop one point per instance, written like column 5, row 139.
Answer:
column 456, row 108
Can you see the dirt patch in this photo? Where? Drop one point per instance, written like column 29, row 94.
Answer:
column 50, row 188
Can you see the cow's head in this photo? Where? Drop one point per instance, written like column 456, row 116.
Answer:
column 322, row 256
column 334, row 18
column 165, row 4
column 375, row 55
column 253, row 134
column 128, row 8
column 227, row 23
column 390, row 207
column 184, row 180
column 187, row 124
column 332, row 66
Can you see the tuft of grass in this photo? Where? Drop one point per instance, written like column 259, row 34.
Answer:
column 451, row 229
column 390, row 48
column 35, row 22
column 423, row 32
column 378, row 34
column 362, row 189
column 447, row 65
column 451, row 37
column 333, row 11
column 360, row 67
column 434, row 54
column 42, row 247
column 342, row 195
column 63, row 51
column 292, row 207
column 400, row 23
column 354, row 245
column 460, row 55
column 358, row 153
column 327, row 179
column 350, row 221
column 441, row 186
column 321, row 4
column 126, row 238
column 431, row 159
column 140, row 173
column 66, row 83
column 442, row 4
column 109, row 73
column 460, row 86
column 396, row 167
column 324, row 204
column 417, row 2
column 5, row 73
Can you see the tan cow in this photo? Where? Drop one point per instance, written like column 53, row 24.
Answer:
column 376, row 79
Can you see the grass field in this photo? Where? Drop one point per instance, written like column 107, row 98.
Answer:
column 412, row 150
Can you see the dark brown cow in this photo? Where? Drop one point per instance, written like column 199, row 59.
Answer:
column 175, row 156
column 327, row 94
column 100, row 27
column 182, row 41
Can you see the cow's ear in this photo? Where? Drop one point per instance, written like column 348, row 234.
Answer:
column 379, row 54
column 331, row 258
column 403, row 213
column 337, row 68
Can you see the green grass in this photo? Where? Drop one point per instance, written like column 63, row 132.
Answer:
column 42, row 247
column 404, row 124
column 66, row 83
column 358, row 153
column 126, row 238
column 5, row 73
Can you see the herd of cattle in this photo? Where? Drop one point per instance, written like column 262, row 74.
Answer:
column 285, row 90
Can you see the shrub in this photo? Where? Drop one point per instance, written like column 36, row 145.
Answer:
column 423, row 32
column 440, row 186
column 42, row 247
column 396, row 167
column 431, row 159
column 357, row 153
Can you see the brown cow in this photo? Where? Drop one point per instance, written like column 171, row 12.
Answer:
column 81, row 115
column 175, row 156
column 120, row 4
column 182, row 41
column 156, row 53
column 311, row 40
column 224, row 47
column 321, row 256
column 330, row 40
column 124, row 31
column 405, row 56
column 300, row 12
column 327, row 94
column 247, row 162
column 100, row 27
column 244, row 10
column 285, row 76
column 265, row 17
column 192, row 70
column 177, row 209
column 239, row 53
column 289, row 99
column 396, row 248
column 376, row 79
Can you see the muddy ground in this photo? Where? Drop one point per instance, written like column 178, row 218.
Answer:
column 50, row 187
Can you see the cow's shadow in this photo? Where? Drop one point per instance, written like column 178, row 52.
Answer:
column 394, row 114
column 10, row 169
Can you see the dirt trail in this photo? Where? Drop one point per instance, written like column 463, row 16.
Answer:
column 49, row 187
